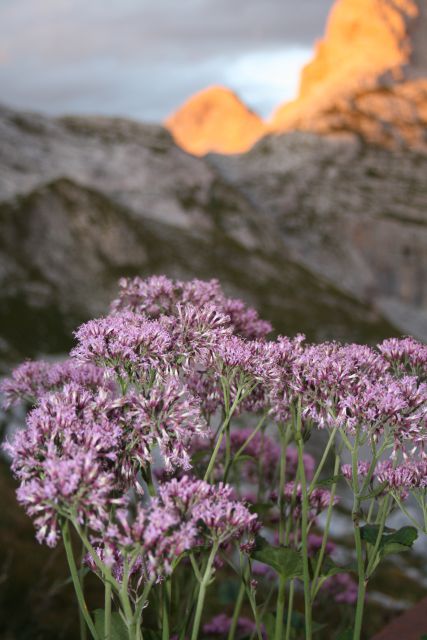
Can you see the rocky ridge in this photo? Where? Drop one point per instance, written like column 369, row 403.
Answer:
column 84, row 201
column 353, row 213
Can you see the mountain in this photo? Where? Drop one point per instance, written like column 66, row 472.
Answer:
column 368, row 76
column 215, row 120
column 367, row 80
column 353, row 213
column 339, row 182
column 84, row 201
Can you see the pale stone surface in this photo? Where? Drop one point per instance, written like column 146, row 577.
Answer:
column 84, row 201
column 352, row 213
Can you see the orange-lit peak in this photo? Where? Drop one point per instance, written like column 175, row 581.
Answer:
column 215, row 120
column 367, row 43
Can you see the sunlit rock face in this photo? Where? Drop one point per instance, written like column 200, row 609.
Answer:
column 368, row 76
column 215, row 120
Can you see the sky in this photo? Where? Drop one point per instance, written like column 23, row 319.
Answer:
column 144, row 58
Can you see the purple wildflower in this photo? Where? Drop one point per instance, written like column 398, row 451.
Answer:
column 406, row 356
column 221, row 623
column 31, row 379
column 158, row 295
column 153, row 297
column 187, row 514
column 362, row 469
column 342, row 588
column 246, row 321
column 319, row 499
column 65, row 457
column 198, row 333
column 125, row 342
column 167, row 415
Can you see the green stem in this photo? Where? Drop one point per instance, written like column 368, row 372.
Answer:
column 75, row 578
column 290, row 608
column 103, row 569
column 107, row 611
column 166, row 610
column 323, row 460
column 236, row 612
column 315, row 586
column 221, row 431
column 131, row 620
column 281, row 595
column 252, row 602
column 304, row 528
column 202, row 592
column 243, row 447
column 140, row 606
column 82, row 623
column 406, row 512
column 361, row 591
column 382, row 517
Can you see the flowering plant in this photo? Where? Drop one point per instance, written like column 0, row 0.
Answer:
column 172, row 446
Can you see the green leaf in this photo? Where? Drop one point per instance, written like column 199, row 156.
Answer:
column 118, row 627
column 391, row 541
column 244, row 457
column 347, row 634
column 327, row 482
column 393, row 547
column 329, row 568
column 394, row 540
column 405, row 536
column 286, row 562
column 269, row 622
column 370, row 532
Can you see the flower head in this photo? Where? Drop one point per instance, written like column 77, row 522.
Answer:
column 31, row 380
column 126, row 342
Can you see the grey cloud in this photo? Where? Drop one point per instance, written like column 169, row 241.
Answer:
column 111, row 55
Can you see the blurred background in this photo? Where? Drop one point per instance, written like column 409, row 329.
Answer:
column 279, row 146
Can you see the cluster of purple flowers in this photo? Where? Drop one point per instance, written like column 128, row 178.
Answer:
column 146, row 390
column 83, row 446
column 219, row 627
column 401, row 478
column 186, row 515
column 159, row 296
column 31, row 380
column 352, row 387
column 318, row 499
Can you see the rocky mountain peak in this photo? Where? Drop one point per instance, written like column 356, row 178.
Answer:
column 368, row 76
column 215, row 119
column 364, row 38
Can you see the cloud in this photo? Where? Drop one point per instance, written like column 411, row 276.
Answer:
column 144, row 57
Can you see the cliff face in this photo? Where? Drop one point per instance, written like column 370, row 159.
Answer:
column 368, row 77
column 364, row 39
column 84, row 201
column 215, row 120
column 355, row 214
